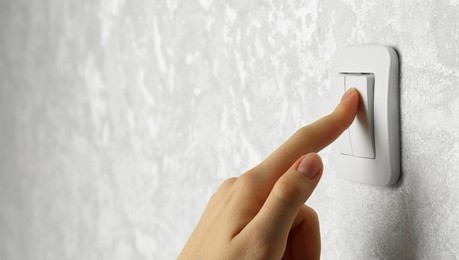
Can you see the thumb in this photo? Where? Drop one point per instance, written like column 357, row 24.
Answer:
column 288, row 195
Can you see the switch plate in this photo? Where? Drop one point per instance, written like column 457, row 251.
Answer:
column 382, row 167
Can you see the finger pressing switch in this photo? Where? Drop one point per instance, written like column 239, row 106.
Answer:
column 358, row 140
column 361, row 132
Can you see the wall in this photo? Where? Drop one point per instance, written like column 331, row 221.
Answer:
column 120, row 118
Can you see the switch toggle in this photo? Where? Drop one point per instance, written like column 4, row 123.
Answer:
column 361, row 132
column 358, row 140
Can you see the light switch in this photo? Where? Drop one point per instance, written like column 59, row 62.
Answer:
column 344, row 141
column 369, row 150
column 358, row 140
column 361, row 132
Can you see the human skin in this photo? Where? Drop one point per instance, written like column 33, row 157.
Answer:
column 262, row 213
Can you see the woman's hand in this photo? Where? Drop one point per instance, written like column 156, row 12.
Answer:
column 261, row 214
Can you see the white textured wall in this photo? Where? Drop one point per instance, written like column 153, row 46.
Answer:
column 118, row 119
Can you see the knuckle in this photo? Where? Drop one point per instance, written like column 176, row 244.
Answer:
column 245, row 191
column 305, row 130
column 224, row 187
column 245, row 182
column 257, row 169
column 290, row 193
column 227, row 183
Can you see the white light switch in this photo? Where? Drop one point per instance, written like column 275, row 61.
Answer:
column 344, row 141
column 361, row 131
column 369, row 151
column 358, row 140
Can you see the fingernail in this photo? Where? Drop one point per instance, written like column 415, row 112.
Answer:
column 347, row 94
column 309, row 166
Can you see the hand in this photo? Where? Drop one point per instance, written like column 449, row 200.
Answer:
column 261, row 214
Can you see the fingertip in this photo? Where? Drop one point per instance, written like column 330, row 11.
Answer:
column 310, row 166
column 347, row 109
column 316, row 157
column 351, row 99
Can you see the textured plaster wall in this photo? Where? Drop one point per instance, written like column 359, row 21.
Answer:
column 118, row 120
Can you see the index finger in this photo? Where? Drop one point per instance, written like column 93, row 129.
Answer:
column 310, row 138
